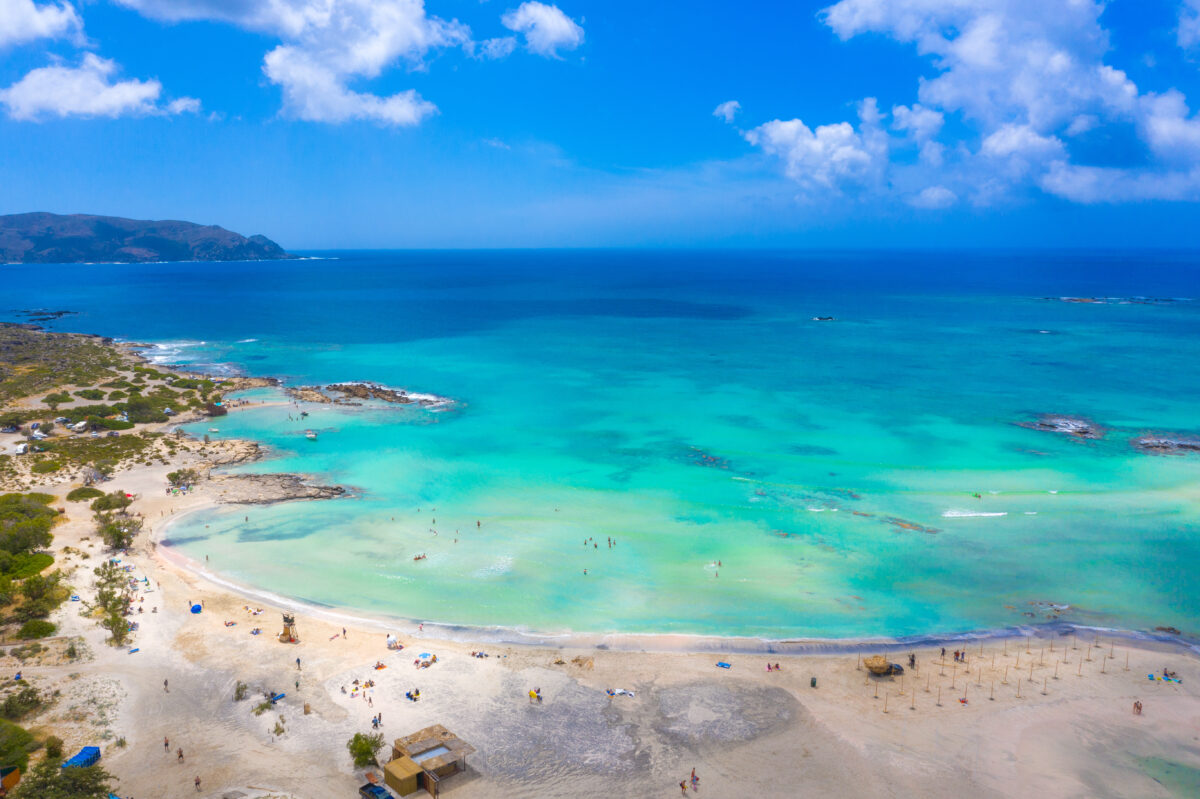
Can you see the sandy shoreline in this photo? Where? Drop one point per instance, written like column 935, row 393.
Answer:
column 1046, row 715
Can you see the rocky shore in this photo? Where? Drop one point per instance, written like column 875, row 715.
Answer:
column 267, row 489
column 1165, row 445
column 1076, row 426
column 353, row 392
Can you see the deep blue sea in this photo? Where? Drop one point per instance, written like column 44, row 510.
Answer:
column 762, row 473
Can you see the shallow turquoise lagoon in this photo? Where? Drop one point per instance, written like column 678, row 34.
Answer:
column 688, row 407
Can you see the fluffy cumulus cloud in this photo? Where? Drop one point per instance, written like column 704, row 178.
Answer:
column 546, row 28
column 1026, row 79
column 24, row 21
column 828, row 156
column 327, row 44
column 86, row 90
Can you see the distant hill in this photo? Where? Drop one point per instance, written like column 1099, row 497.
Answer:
column 53, row 238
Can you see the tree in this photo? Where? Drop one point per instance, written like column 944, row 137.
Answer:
column 115, row 500
column 117, row 531
column 182, row 477
column 48, row 780
column 364, row 747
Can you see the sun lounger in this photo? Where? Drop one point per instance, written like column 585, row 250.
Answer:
column 724, row 665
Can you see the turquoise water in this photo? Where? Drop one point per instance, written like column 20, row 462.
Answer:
column 686, row 405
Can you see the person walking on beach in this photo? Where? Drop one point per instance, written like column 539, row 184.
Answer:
column 179, row 754
column 166, row 744
column 166, row 689
column 297, row 664
column 683, row 786
column 197, row 782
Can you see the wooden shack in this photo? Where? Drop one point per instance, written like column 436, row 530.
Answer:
column 403, row 775
column 428, row 756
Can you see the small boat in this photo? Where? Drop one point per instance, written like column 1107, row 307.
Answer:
column 303, row 414
column 213, row 430
column 311, row 435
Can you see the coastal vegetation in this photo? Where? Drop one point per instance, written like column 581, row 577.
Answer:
column 48, row 780
column 364, row 748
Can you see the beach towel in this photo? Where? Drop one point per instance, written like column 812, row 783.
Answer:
column 724, row 665
column 618, row 692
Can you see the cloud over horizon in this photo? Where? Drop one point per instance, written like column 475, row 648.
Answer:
column 1028, row 78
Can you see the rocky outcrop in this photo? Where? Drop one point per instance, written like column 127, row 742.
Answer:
column 267, row 489
column 1166, row 445
column 1075, row 426
column 349, row 393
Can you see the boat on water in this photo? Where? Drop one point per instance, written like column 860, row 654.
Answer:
column 311, row 435
column 213, row 430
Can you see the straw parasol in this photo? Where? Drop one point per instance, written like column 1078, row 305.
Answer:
column 878, row 664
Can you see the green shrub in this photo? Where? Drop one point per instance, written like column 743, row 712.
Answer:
column 15, row 745
column 21, row 703
column 101, row 423
column 54, row 748
column 46, row 466
column 90, row 394
column 115, row 500
column 37, row 628
column 363, row 748
column 56, row 399
column 82, row 493
column 25, row 564
column 116, row 395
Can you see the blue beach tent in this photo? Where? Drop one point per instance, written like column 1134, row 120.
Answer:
column 196, row 608
column 87, row 756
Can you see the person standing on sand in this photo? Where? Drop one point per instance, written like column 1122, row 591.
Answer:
column 165, row 688
column 166, row 744
column 683, row 786
column 297, row 664
column 197, row 782
column 179, row 754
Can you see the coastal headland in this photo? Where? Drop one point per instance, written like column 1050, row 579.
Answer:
column 1041, row 711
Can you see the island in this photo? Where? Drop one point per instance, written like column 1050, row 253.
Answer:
column 46, row 238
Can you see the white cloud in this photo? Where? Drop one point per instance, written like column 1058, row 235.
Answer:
column 1020, row 77
column 830, row 156
column 25, row 21
column 86, row 90
column 1188, row 32
column 326, row 44
column 492, row 49
column 920, row 122
column 727, row 110
column 547, row 29
column 933, row 197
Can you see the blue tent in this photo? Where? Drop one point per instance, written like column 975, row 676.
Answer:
column 87, row 756
column 196, row 608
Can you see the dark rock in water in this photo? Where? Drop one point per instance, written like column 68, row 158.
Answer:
column 1163, row 445
column 83, row 238
column 1075, row 426
column 1167, row 630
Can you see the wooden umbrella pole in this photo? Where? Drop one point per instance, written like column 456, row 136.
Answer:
column 992, row 696
column 1126, row 660
column 1044, row 682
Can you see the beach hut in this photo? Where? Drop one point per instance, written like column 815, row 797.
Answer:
column 403, row 775
column 436, row 751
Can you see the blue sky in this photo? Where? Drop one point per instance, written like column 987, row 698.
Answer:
column 392, row 123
